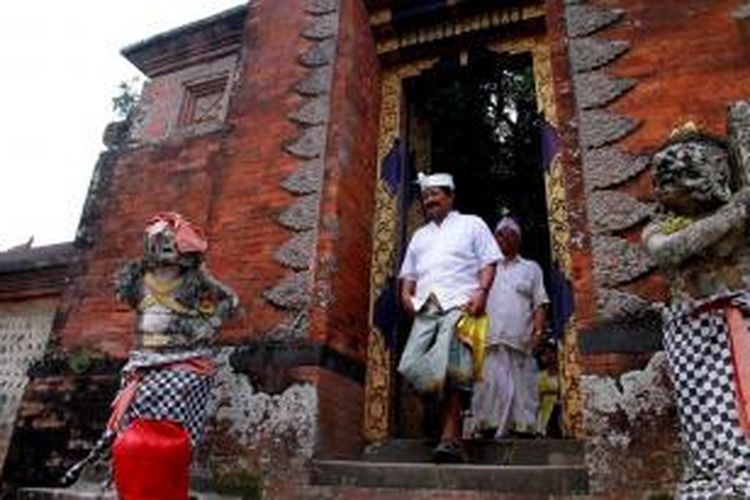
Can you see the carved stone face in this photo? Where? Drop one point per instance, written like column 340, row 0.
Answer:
column 161, row 245
column 692, row 176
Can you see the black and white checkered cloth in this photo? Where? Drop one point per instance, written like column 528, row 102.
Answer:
column 174, row 395
column 700, row 359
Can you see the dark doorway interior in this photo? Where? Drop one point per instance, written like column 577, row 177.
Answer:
column 475, row 116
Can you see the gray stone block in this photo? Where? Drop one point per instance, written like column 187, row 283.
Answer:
column 588, row 54
column 314, row 111
column 302, row 214
column 739, row 138
column 310, row 144
column 519, row 479
column 597, row 89
column 291, row 292
column 611, row 211
column 582, row 20
column 307, row 179
column 316, row 82
column 319, row 54
column 618, row 261
column 599, row 128
column 321, row 7
column 322, row 27
column 612, row 303
column 297, row 252
column 608, row 167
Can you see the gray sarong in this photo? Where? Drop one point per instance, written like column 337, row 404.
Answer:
column 433, row 356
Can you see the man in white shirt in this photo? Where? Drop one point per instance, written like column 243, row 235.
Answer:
column 507, row 397
column 447, row 271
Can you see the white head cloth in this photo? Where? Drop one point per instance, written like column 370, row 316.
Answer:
column 435, row 180
column 508, row 223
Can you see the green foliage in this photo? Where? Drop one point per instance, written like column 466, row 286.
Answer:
column 128, row 97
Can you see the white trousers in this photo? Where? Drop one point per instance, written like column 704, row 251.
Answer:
column 507, row 397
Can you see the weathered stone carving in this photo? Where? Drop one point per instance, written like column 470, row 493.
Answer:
column 167, row 379
column 615, row 303
column 697, row 239
column 302, row 214
column 596, row 89
column 583, row 20
column 309, row 144
column 608, row 167
column 599, row 128
column 587, row 54
column 313, row 112
column 739, row 139
column 307, row 179
column 324, row 26
column 291, row 293
column 316, row 82
column 618, row 261
column 319, row 54
column 611, row 211
column 296, row 253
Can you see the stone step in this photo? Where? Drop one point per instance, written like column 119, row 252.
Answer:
column 516, row 479
column 93, row 491
column 481, row 451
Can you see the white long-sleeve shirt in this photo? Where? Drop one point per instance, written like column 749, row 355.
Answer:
column 445, row 259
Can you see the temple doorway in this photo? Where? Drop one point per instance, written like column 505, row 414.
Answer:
column 473, row 114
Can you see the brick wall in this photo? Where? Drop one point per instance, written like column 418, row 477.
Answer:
column 226, row 180
column 344, row 245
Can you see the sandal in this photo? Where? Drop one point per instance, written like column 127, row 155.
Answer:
column 447, row 452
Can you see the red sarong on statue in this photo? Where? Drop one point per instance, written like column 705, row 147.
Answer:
column 151, row 459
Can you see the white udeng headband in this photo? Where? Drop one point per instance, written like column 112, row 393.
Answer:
column 435, row 180
column 508, row 222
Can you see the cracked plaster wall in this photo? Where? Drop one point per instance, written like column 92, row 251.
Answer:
column 268, row 436
column 631, row 430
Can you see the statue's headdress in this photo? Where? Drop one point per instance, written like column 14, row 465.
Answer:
column 189, row 238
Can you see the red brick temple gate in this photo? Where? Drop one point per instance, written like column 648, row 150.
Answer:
column 269, row 125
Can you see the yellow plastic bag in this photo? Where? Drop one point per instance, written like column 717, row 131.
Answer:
column 472, row 331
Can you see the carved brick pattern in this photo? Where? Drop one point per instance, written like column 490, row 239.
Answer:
column 597, row 89
column 616, row 304
column 307, row 179
column 316, row 82
column 321, row 7
column 587, row 54
column 599, row 128
column 291, row 292
column 319, row 54
column 583, row 20
column 310, row 144
column 607, row 167
column 302, row 214
column 615, row 260
column 313, row 112
column 297, row 252
column 611, row 211
column 322, row 27
column 618, row 261
column 312, row 116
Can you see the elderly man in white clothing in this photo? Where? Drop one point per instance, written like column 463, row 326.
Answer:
column 447, row 271
column 507, row 397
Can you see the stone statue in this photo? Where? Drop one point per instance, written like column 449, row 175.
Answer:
column 698, row 239
column 159, row 413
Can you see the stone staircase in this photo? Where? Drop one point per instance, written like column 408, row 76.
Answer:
column 503, row 469
column 402, row 469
